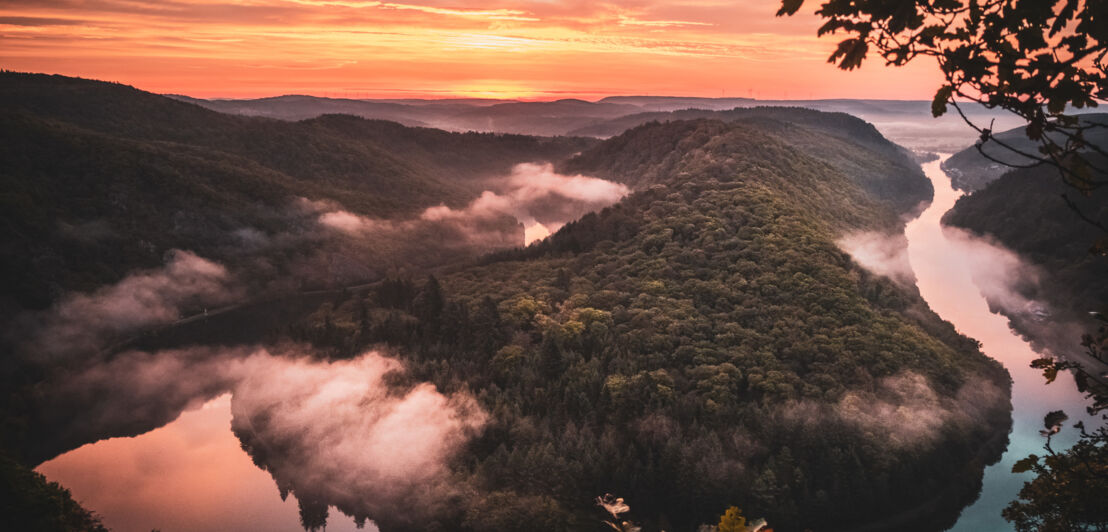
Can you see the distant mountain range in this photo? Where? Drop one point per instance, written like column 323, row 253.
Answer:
column 907, row 122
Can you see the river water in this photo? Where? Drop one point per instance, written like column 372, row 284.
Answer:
column 192, row 476
column 943, row 275
column 188, row 476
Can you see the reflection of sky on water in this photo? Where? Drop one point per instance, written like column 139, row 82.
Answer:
column 188, row 476
column 944, row 281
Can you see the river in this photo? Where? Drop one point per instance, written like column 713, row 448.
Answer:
column 188, row 476
column 192, row 476
column 943, row 275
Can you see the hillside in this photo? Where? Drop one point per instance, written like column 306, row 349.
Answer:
column 701, row 344
column 970, row 171
column 528, row 118
column 831, row 138
column 99, row 179
column 906, row 122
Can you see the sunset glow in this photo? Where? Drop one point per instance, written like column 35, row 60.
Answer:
column 536, row 50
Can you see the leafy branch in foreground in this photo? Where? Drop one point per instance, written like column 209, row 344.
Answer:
column 1068, row 491
column 1034, row 59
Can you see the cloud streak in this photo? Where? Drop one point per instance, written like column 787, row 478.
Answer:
column 905, row 410
column 537, row 196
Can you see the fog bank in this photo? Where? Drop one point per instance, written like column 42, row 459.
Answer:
column 1000, row 274
column 83, row 323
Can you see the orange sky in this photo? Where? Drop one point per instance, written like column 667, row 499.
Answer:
column 537, row 49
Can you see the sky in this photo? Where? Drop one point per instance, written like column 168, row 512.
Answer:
column 532, row 50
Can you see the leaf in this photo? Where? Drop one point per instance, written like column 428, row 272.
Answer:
column 1035, row 130
column 938, row 105
column 850, row 53
column 1054, row 419
column 1026, row 464
column 789, row 7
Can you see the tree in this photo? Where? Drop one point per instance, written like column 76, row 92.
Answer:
column 732, row 521
column 313, row 514
column 1037, row 59
column 1068, row 493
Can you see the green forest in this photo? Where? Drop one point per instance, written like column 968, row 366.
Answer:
column 700, row 345
column 691, row 348
column 99, row 179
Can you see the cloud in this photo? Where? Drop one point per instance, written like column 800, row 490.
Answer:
column 1001, row 275
column 882, row 254
column 542, row 48
column 331, row 432
column 87, row 322
column 347, row 222
column 346, row 440
column 1007, row 282
column 130, row 394
column 905, row 410
column 625, row 20
column 487, row 14
column 534, row 195
column 908, row 411
column 38, row 21
column 540, row 198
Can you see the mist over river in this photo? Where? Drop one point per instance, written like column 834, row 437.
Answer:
column 943, row 265
column 189, row 476
column 192, row 475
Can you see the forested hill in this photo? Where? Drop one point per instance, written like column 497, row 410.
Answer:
column 356, row 158
column 701, row 344
column 99, row 179
column 657, row 152
column 970, row 171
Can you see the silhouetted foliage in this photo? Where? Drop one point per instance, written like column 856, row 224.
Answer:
column 29, row 502
column 1038, row 60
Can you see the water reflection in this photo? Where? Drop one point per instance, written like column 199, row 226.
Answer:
column 188, row 476
column 944, row 280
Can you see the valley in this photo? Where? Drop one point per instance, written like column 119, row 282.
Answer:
column 705, row 327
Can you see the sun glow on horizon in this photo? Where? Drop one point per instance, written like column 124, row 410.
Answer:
column 510, row 50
